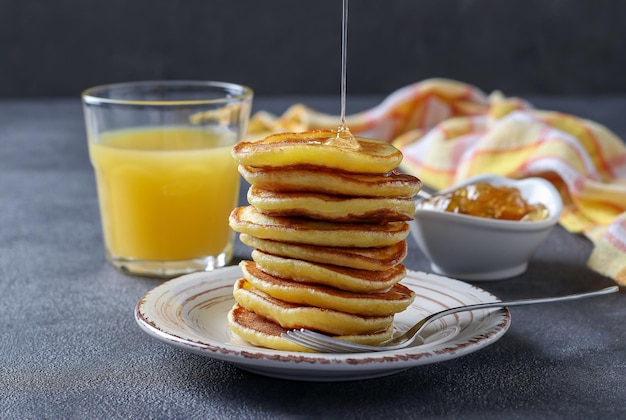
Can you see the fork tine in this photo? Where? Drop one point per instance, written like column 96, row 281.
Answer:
column 296, row 336
column 323, row 343
column 333, row 344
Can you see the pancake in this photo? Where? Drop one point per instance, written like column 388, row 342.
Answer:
column 262, row 332
column 376, row 259
column 328, row 221
column 317, row 148
column 311, row 232
column 335, row 208
column 348, row 279
column 293, row 316
column 323, row 180
column 396, row 299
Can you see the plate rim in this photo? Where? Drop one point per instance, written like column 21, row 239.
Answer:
column 291, row 365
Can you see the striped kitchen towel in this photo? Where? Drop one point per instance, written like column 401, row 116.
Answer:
column 449, row 131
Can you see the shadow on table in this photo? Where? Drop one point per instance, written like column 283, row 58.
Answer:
column 510, row 373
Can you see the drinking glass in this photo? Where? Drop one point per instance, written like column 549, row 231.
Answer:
column 166, row 180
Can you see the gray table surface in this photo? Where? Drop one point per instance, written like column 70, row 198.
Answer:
column 70, row 347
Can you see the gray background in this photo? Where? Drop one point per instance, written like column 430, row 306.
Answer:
column 59, row 47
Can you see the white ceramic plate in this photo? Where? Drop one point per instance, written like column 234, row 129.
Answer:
column 190, row 312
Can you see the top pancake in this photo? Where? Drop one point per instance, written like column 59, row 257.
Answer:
column 317, row 148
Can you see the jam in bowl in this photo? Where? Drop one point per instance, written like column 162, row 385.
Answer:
column 485, row 200
column 487, row 227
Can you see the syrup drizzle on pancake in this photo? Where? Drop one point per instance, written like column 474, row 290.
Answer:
column 344, row 137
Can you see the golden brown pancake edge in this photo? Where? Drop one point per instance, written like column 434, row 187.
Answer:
column 330, row 207
column 375, row 259
column 295, row 316
column 344, row 278
column 262, row 332
column 327, row 181
column 248, row 220
column 389, row 302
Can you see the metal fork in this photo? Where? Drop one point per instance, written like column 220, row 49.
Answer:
column 326, row 344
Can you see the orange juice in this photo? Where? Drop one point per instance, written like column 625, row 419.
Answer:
column 165, row 193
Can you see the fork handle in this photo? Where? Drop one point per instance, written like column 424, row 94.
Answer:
column 416, row 329
column 519, row 302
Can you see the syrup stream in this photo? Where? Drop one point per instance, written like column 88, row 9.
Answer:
column 344, row 137
column 344, row 63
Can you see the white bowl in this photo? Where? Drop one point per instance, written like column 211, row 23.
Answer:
column 477, row 248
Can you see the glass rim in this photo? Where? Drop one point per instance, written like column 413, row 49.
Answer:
column 92, row 95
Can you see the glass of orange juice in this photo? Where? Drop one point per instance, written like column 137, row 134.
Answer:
column 161, row 152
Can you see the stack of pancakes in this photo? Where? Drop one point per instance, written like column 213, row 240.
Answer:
column 327, row 220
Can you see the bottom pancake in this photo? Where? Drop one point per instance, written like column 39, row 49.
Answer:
column 262, row 332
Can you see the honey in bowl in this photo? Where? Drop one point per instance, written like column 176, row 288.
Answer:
column 488, row 201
